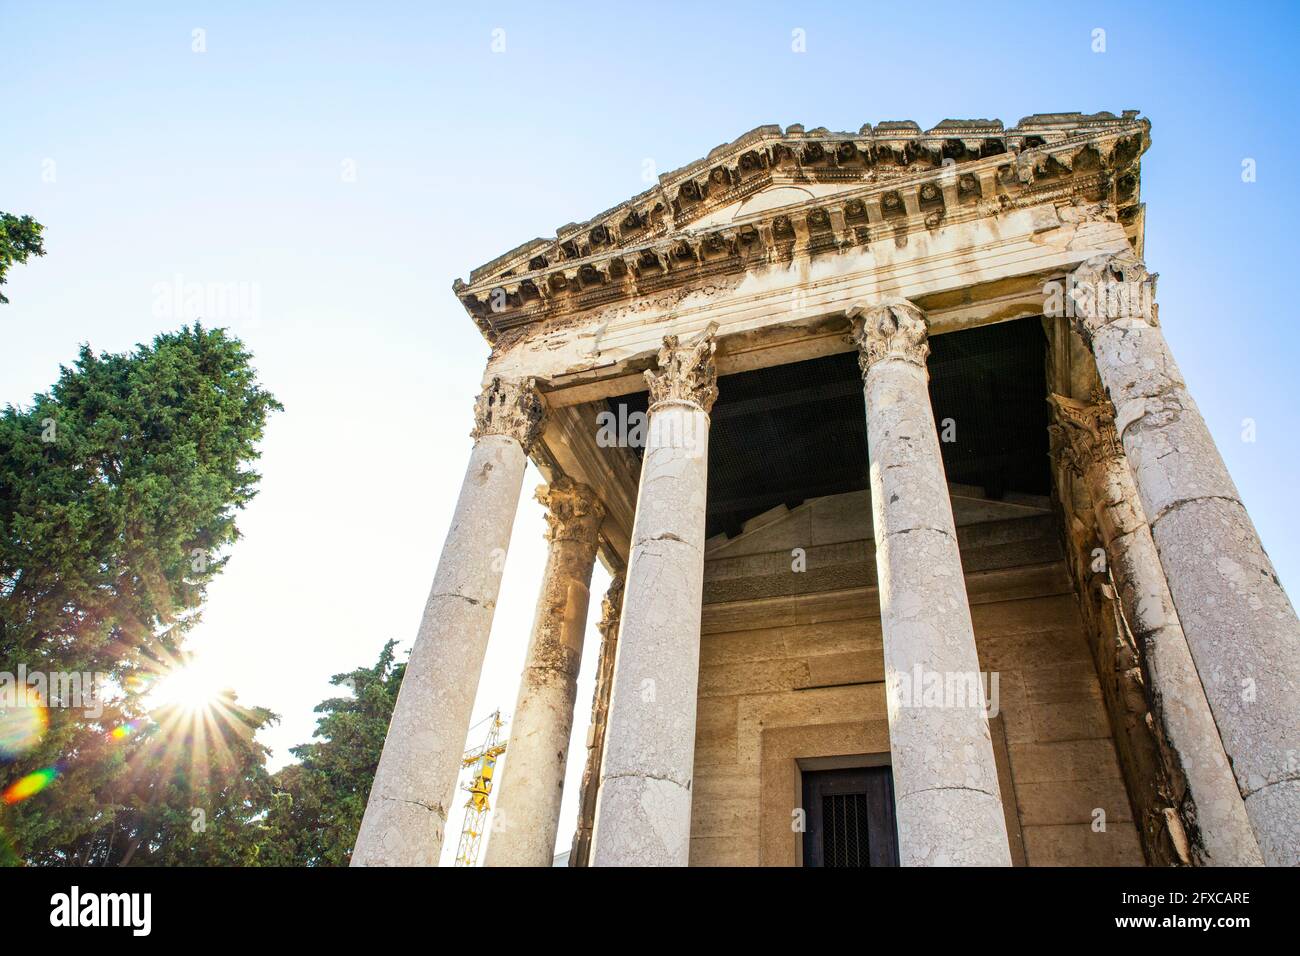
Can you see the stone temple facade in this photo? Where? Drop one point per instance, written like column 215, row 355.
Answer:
column 922, row 552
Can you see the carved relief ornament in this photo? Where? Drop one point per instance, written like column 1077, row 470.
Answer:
column 573, row 512
column 686, row 372
column 891, row 329
column 511, row 408
column 1085, row 431
column 1108, row 288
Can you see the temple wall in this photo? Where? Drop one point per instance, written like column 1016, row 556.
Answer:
column 792, row 669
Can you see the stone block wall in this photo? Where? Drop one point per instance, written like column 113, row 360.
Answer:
column 791, row 678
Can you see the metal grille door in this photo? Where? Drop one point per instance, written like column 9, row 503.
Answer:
column 850, row 818
column 846, row 840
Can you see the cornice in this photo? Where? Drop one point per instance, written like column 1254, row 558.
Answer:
column 892, row 181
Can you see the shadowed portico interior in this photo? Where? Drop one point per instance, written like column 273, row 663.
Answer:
column 784, row 434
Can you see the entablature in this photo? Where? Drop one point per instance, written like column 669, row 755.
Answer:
column 776, row 197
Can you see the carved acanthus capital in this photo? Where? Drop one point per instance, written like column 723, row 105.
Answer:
column 573, row 512
column 686, row 371
column 1084, row 432
column 611, row 608
column 891, row 329
column 1108, row 288
column 511, row 408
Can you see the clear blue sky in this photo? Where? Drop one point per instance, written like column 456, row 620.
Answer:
column 228, row 166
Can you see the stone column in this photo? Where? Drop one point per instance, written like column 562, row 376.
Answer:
column 611, row 609
column 532, row 782
column 416, row 780
column 947, row 801
column 1240, row 625
column 1221, row 831
column 643, row 812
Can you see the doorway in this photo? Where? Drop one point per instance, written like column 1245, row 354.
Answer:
column 850, row 818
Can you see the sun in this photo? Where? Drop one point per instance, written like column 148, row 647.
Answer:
column 192, row 687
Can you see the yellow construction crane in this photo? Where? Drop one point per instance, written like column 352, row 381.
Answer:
column 484, row 759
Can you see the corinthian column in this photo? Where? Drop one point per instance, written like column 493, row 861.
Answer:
column 611, row 608
column 1177, row 699
column 1239, row 624
column 643, row 812
column 532, row 783
column 416, row 780
column 947, row 801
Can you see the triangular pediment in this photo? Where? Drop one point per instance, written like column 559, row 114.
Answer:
column 773, row 195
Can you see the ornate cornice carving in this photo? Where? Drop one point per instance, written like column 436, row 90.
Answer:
column 1108, row 288
column 686, row 371
column 891, row 180
column 891, row 329
column 1084, row 433
column 511, row 408
column 573, row 511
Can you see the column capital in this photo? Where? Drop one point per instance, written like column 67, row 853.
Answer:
column 890, row 329
column 1108, row 288
column 686, row 372
column 573, row 512
column 510, row 407
column 1085, row 431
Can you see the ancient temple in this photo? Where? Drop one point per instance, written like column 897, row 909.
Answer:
column 922, row 552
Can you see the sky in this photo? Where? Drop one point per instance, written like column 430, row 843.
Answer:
column 323, row 172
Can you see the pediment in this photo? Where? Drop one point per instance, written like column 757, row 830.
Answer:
column 775, row 195
column 771, row 198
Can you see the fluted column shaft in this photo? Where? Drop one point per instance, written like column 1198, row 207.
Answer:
column 947, row 801
column 527, row 816
column 643, row 811
column 1092, row 448
column 415, row 783
column 1240, row 625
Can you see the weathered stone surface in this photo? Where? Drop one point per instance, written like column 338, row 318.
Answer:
column 1220, row 832
column 1239, row 623
column 611, row 608
column 643, row 812
column 949, row 808
column 414, row 786
column 527, row 815
column 511, row 408
column 813, row 197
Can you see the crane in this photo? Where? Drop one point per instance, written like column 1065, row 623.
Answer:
column 483, row 759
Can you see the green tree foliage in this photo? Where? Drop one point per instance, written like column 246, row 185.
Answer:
column 187, row 788
column 319, row 802
column 20, row 238
column 118, row 494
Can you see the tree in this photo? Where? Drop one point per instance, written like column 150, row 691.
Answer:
column 118, row 494
column 188, row 788
column 318, row 803
column 20, row 237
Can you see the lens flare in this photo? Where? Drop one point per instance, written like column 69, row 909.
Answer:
column 29, row 785
column 193, row 688
column 122, row 731
column 21, row 728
